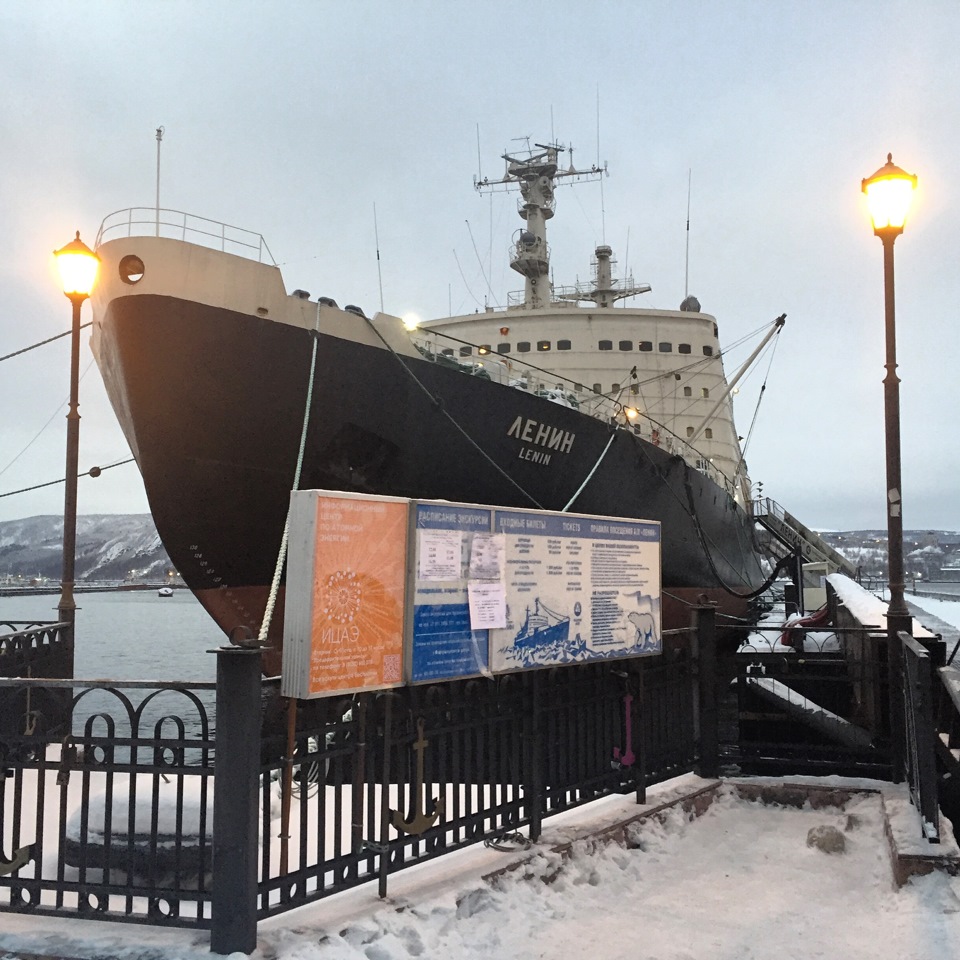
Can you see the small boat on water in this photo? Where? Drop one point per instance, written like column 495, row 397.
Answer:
column 165, row 592
column 562, row 399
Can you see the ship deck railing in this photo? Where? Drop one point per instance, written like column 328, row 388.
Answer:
column 180, row 225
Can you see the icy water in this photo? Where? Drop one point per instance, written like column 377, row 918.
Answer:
column 132, row 635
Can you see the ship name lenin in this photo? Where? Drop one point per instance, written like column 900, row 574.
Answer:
column 542, row 435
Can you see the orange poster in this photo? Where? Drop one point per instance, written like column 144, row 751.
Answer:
column 356, row 633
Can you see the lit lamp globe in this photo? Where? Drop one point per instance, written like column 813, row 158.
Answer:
column 77, row 265
column 889, row 193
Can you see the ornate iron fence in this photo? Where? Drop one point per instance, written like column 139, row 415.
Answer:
column 114, row 819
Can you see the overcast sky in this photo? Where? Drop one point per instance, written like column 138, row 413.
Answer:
column 294, row 119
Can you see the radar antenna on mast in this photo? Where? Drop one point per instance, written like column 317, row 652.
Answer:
column 535, row 173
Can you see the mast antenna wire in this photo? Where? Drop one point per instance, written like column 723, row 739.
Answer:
column 33, row 346
column 376, row 238
column 603, row 209
column 483, row 271
column 160, row 132
column 686, row 275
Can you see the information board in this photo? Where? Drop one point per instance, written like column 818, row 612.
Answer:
column 449, row 558
column 346, row 582
column 577, row 588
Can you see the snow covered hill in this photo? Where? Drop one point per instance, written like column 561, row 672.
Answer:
column 109, row 547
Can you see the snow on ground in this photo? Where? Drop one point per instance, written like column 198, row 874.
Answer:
column 740, row 882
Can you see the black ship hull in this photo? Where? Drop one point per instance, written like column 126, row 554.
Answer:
column 212, row 403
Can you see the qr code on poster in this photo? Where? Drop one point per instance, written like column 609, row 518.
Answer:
column 391, row 668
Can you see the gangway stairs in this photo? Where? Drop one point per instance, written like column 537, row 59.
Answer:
column 790, row 532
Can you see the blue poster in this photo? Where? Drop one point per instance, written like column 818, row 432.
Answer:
column 443, row 647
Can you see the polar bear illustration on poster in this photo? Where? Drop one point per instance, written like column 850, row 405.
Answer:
column 646, row 637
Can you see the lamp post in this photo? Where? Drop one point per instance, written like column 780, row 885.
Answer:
column 77, row 265
column 889, row 192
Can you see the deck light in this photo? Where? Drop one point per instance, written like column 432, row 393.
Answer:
column 410, row 321
column 77, row 265
column 889, row 192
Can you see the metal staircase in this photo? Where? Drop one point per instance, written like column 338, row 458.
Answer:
column 790, row 532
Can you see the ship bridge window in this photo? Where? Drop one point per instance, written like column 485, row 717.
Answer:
column 646, row 346
column 688, row 391
column 131, row 269
column 626, row 344
column 605, row 345
column 665, row 347
column 465, row 351
column 503, row 348
column 705, row 392
column 563, row 345
column 523, row 346
column 684, row 348
column 543, row 344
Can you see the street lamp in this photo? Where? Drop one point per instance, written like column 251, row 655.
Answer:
column 77, row 265
column 889, row 192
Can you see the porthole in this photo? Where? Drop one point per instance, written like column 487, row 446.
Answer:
column 689, row 431
column 688, row 391
column 707, row 351
column 503, row 348
column 131, row 269
column 705, row 392
column 563, row 345
column 523, row 346
column 684, row 348
column 543, row 345
column 466, row 351
column 708, row 434
column 605, row 345
column 598, row 388
column 626, row 345
column 666, row 347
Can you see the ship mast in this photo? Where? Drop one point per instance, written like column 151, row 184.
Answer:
column 535, row 174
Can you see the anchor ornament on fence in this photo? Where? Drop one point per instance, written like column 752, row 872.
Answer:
column 21, row 857
column 421, row 821
column 626, row 757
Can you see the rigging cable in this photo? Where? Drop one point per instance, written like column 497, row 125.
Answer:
column 438, row 405
column 756, row 409
column 281, row 558
column 92, row 472
column 66, row 333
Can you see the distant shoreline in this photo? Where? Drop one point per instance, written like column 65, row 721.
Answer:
column 54, row 589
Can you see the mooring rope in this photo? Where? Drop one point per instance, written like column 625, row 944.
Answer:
column 281, row 558
column 590, row 474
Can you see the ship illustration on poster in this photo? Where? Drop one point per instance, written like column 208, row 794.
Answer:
column 543, row 638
